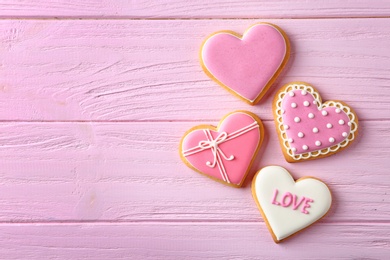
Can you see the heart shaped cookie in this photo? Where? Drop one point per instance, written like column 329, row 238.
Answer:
column 309, row 129
column 246, row 65
column 224, row 153
column 288, row 206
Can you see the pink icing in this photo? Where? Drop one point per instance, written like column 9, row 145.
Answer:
column 306, row 205
column 245, row 65
column 297, row 204
column 274, row 201
column 288, row 199
column 289, row 196
column 309, row 128
column 241, row 148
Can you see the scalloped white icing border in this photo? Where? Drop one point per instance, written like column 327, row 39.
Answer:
column 320, row 105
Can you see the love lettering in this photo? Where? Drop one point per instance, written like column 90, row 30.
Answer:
column 289, row 199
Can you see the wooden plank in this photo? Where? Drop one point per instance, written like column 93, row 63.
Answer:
column 193, row 9
column 132, row 172
column 143, row 70
column 191, row 241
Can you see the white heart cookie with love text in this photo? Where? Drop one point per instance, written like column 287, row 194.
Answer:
column 289, row 206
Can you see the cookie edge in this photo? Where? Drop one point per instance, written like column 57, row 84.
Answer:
column 216, row 128
column 282, row 141
column 273, row 78
column 254, row 195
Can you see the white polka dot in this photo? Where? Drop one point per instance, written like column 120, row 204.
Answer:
column 291, row 93
column 341, row 122
column 304, row 92
column 305, row 147
column 315, row 130
column 345, row 134
column 293, row 149
column 349, row 123
column 283, row 111
column 300, row 134
column 329, row 125
column 290, row 140
column 306, row 103
column 318, row 143
column 331, row 140
column 314, row 102
column 324, row 113
column 338, row 110
column 286, row 127
column 293, row 105
column 310, row 115
column 297, row 120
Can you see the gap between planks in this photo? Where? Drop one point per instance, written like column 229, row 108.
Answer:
column 201, row 121
column 180, row 222
column 124, row 18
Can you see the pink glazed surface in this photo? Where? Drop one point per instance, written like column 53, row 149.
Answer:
column 245, row 65
column 243, row 148
column 302, row 106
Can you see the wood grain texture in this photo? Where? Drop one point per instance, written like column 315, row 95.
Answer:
column 191, row 241
column 132, row 172
column 192, row 9
column 144, row 70
column 94, row 98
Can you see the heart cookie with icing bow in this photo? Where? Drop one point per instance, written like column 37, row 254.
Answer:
column 246, row 65
column 224, row 153
column 288, row 206
column 309, row 129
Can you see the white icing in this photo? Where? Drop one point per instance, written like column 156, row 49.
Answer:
column 294, row 149
column 305, row 147
column 310, row 115
column 306, row 103
column 300, row 134
column 345, row 134
column 286, row 127
column 297, row 120
column 331, row 139
column 329, row 125
column 315, row 130
column 318, row 143
column 304, row 92
column 324, row 113
column 291, row 93
column 283, row 111
column 338, row 110
column 293, row 105
column 341, row 122
column 352, row 124
column 290, row 140
column 284, row 221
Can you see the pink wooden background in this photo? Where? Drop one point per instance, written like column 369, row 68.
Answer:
column 94, row 98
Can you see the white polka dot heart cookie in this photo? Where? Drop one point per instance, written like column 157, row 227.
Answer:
column 309, row 129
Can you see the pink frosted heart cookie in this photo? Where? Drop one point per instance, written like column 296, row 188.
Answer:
column 224, row 153
column 309, row 129
column 289, row 206
column 246, row 65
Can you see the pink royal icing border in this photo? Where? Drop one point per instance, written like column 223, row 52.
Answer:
column 334, row 148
